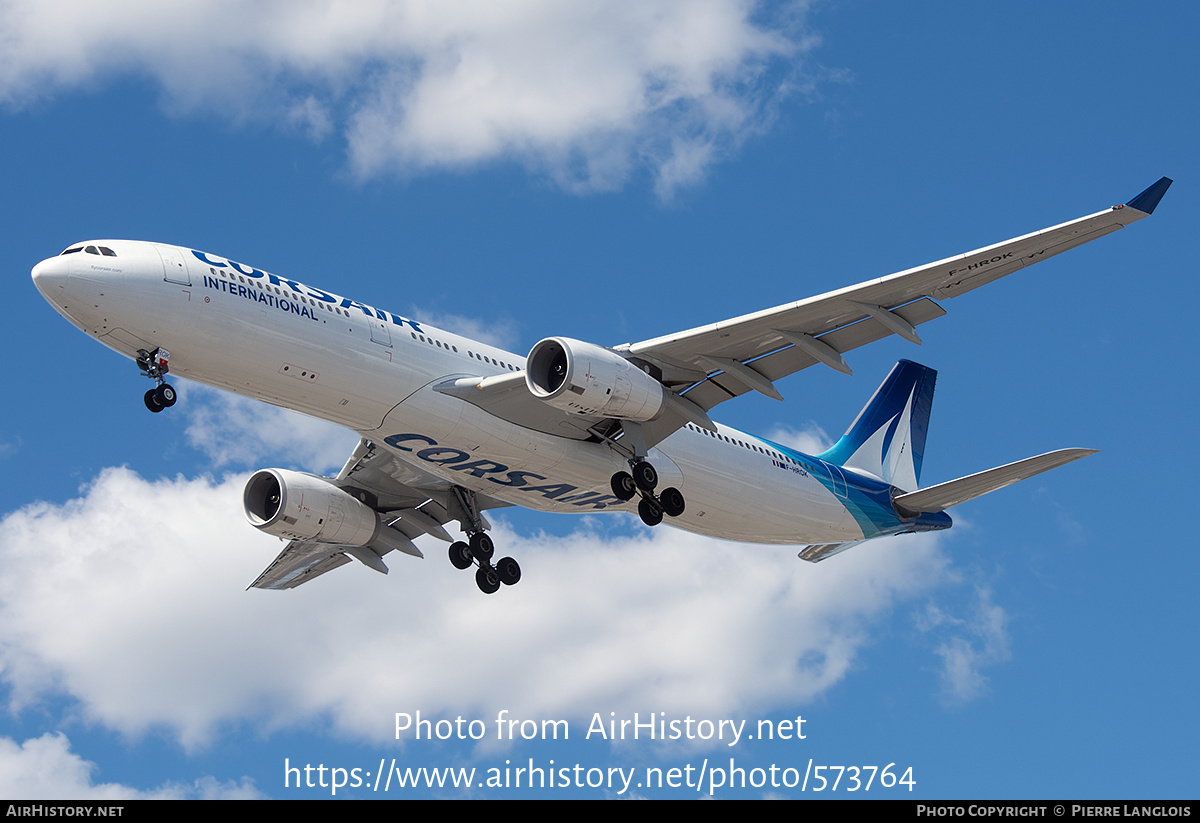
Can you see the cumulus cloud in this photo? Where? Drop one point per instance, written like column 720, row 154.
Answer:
column 586, row 93
column 45, row 767
column 130, row 600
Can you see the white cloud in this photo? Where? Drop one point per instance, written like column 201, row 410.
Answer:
column 130, row 600
column 586, row 92
column 811, row 439
column 45, row 767
column 978, row 642
column 498, row 332
column 238, row 431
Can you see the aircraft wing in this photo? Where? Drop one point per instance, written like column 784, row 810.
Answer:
column 412, row 503
column 713, row 363
column 705, row 366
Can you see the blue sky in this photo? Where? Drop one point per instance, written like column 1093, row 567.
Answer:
column 522, row 171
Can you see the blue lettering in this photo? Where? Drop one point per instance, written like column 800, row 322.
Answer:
column 481, row 467
column 431, row 455
column 246, row 270
column 552, row 490
column 365, row 309
column 396, row 439
column 516, row 479
column 204, row 258
column 294, row 285
column 404, row 321
column 442, row 455
column 277, row 280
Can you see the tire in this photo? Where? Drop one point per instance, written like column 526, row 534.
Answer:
column 152, row 401
column 165, row 395
column 623, row 486
column 651, row 512
column 509, row 571
column 645, row 476
column 672, row 501
column 482, row 546
column 487, row 580
column 460, row 555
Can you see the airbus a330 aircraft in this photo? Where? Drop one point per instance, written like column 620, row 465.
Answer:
column 452, row 427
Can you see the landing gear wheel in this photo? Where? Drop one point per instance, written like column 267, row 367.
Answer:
column 482, row 547
column 487, row 579
column 651, row 511
column 645, row 476
column 671, row 500
column 460, row 555
column 623, row 486
column 509, row 571
column 165, row 395
column 152, row 401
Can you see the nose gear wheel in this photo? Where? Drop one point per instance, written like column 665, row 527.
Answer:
column 155, row 364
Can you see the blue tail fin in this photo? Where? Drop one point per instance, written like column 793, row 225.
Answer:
column 887, row 439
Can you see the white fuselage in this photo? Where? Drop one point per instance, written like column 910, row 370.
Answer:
column 280, row 341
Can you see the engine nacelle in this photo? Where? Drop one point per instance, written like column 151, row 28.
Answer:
column 302, row 507
column 588, row 379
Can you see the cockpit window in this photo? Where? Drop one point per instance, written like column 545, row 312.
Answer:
column 72, row 251
column 107, row 252
column 92, row 250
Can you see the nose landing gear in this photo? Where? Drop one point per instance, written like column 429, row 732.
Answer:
column 155, row 364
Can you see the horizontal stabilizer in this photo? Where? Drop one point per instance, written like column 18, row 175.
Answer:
column 823, row 551
column 944, row 495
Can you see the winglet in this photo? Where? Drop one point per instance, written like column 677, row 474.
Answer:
column 1148, row 200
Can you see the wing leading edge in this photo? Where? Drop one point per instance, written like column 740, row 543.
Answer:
column 713, row 363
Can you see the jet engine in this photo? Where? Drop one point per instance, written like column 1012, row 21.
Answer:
column 584, row 378
column 303, row 507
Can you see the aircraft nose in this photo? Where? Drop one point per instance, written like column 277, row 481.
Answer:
column 50, row 276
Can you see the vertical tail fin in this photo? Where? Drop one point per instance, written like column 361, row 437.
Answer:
column 887, row 439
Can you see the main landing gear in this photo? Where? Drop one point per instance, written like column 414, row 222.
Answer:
column 641, row 479
column 154, row 364
column 479, row 550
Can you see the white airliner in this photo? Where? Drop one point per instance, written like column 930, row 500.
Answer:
column 452, row 427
